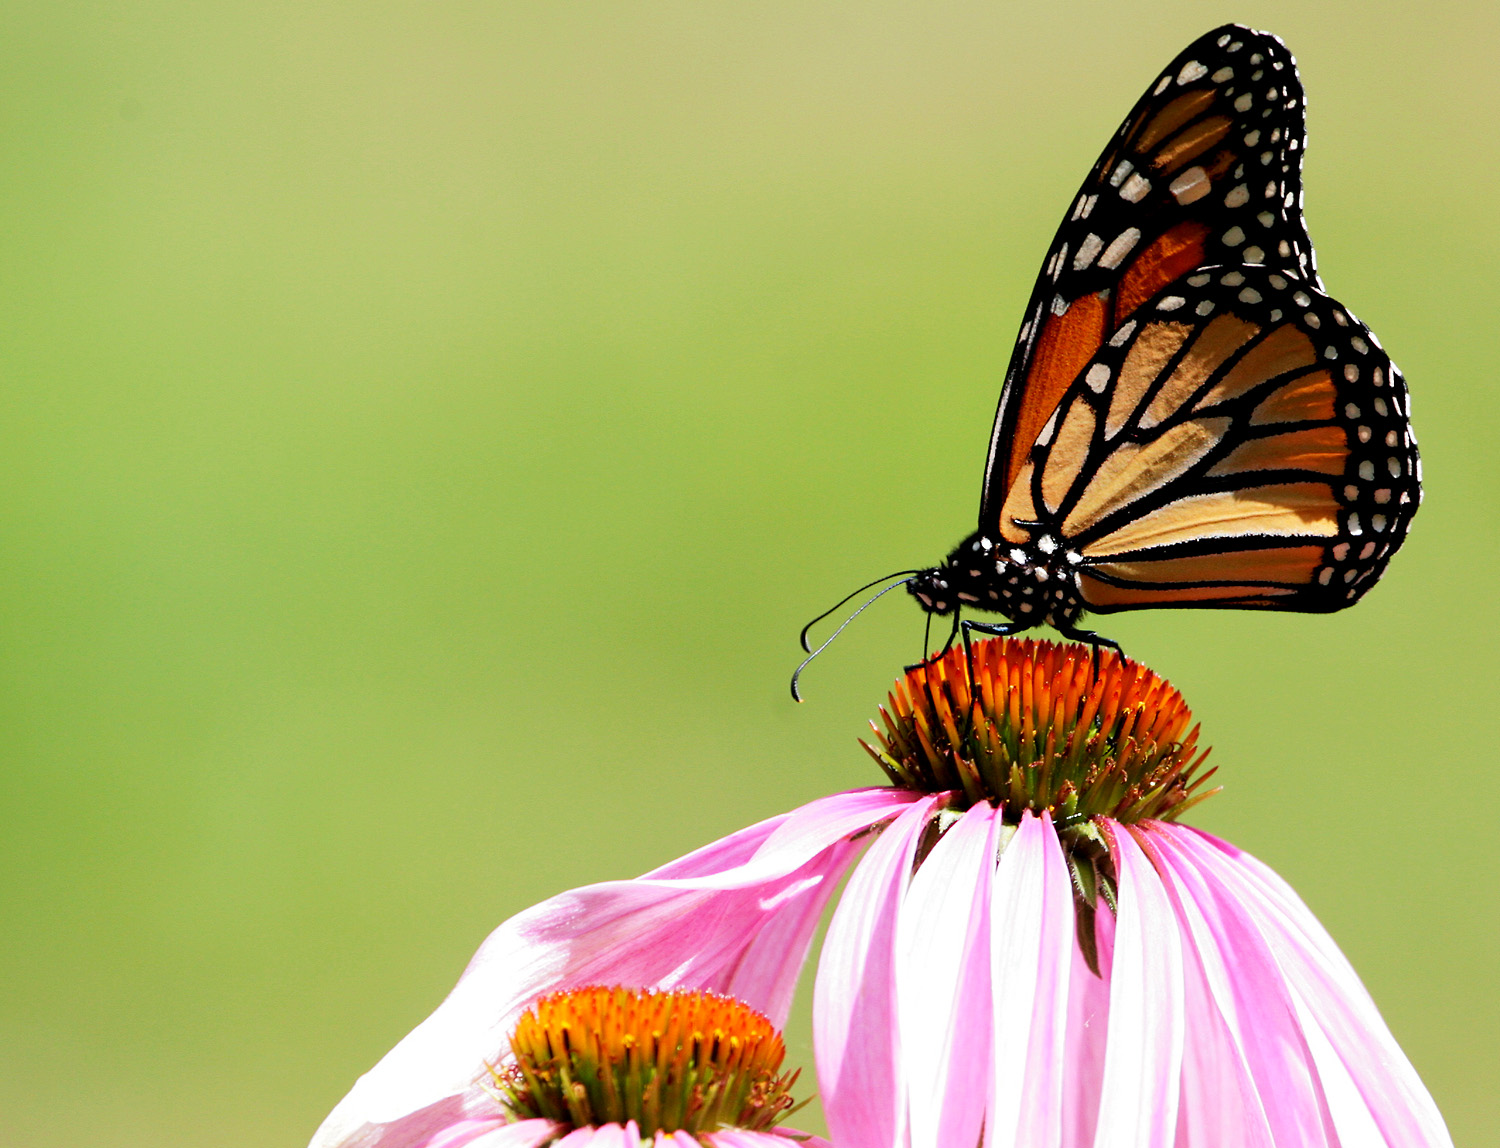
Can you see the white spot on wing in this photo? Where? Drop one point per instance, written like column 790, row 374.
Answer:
column 1135, row 188
column 1122, row 336
column 1046, row 436
column 1189, row 186
column 1171, row 303
column 1191, row 71
column 1120, row 247
column 1097, row 378
column 1087, row 250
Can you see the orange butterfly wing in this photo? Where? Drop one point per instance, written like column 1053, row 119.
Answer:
column 1242, row 442
column 1205, row 169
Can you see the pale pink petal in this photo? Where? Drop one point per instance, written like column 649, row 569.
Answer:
column 1370, row 1086
column 603, row 1136
column 697, row 926
column 579, row 1138
column 521, row 1134
column 854, row 999
column 466, row 1131
column 1143, row 1061
column 1248, row 991
column 1087, row 1034
column 768, row 969
column 780, row 1138
column 792, row 1138
column 1220, row 1106
column 678, row 1139
column 1031, row 956
column 943, row 983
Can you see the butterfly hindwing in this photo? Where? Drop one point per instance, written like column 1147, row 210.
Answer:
column 1242, row 441
column 1206, row 169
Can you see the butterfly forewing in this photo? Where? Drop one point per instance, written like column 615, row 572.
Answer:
column 1241, row 441
column 1206, row 169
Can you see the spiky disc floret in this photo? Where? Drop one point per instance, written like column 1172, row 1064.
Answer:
column 1044, row 730
column 670, row 1061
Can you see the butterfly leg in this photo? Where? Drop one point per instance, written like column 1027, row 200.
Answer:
column 998, row 629
column 926, row 636
column 1094, row 640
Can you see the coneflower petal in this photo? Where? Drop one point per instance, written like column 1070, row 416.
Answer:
column 1371, row 1087
column 1249, row 993
column 1143, row 1062
column 1220, row 1103
column 699, row 922
column 494, row 1132
column 854, row 999
column 1031, row 958
column 943, row 983
column 1088, row 1034
column 742, row 1138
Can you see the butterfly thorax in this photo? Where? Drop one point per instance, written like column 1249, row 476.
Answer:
column 1034, row 583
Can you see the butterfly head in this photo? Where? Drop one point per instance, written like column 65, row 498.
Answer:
column 934, row 590
column 970, row 576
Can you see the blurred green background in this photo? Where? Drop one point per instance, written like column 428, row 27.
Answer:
column 425, row 426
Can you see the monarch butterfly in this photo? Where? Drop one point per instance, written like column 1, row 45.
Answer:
column 1188, row 419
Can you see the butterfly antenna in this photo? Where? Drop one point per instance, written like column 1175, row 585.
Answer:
column 797, row 697
column 807, row 649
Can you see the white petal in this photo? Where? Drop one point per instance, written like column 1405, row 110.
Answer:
column 1143, row 1061
column 943, row 983
column 1032, row 945
column 854, row 999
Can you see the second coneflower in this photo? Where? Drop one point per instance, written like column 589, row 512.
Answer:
column 1030, row 953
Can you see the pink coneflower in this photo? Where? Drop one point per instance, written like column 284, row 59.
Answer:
column 736, row 917
column 1030, row 953
column 605, row 1067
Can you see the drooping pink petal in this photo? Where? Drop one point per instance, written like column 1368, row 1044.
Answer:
column 1087, row 1037
column 521, row 1134
column 579, row 1138
column 1143, row 1061
column 1248, row 992
column 780, row 1138
column 467, row 1131
column 854, row 999
column 696, row 923
column 943, row 983
column 1220, row 1106
column 1370, row 1087
column 1031, row 957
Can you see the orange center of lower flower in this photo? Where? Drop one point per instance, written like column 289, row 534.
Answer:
column 1044, row 729
column 670, row 1061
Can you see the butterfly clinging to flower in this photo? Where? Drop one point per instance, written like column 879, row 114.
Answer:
column 1188, row 419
